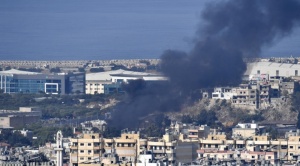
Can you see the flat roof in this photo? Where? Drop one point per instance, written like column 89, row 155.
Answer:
column 106, row 76
column 15, row 71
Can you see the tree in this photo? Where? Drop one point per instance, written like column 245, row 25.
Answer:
column 55, row 70
column 186, row 119
column 295, row 102
column 298, row 122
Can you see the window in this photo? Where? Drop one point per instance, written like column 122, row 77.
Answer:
column 81, row 158
column 89, row 158
column 296, row 72
column 258, row 71
column 89, row 144
column 81, row 151
column 81, row 144
column 89, row 151
column 215, row 95
column 291, row 147
column 269, row 157
column 277, row 72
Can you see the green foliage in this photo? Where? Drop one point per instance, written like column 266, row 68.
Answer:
column 47, row 134
column 273, row 132
column 298, row 122
column 153, row 131
column 245, row 117
column 206, row 117
column 186, row 119
column 59, row 106
column 14, row 139
column 296, row 102
column 55, row 70
column 15, row 101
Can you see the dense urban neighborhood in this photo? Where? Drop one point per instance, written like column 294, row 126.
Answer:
column 58, row 112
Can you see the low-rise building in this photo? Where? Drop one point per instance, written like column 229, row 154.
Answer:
column 19, row 118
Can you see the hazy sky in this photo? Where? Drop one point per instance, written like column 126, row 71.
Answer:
column 98, row 29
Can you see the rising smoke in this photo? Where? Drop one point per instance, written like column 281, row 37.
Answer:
column 229, row 32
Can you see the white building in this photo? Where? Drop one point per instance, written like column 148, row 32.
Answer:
column 222, row 93
column 95, row 81
column 273, row 69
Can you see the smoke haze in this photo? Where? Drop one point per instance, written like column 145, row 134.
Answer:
column 231, row 31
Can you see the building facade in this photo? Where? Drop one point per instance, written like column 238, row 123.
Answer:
column 15, row 81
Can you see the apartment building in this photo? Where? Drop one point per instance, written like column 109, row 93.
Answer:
column 245, row 96
column 254, row 149
column 163, row 148
column 196, row 132
column 86, row 149
column 126, row 146
column 93, row 148
column 244, row 157
column 245, row 130
column 222, row 93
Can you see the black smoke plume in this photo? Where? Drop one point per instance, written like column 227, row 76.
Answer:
column 229, row 32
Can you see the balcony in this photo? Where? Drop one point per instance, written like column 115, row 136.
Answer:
column 170, row 151
column 220, row 142
column 73, row 147
column 158, row 151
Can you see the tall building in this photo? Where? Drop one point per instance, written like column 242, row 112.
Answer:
column 16, row 81
column 86, row 149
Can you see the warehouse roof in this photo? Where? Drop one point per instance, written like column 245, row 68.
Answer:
column 15, row 71
column 270, row 65
column 106, row 76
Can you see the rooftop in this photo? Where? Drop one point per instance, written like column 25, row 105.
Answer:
column 15, row 71
column 106, row 76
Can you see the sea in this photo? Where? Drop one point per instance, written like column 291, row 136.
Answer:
column 107, row 29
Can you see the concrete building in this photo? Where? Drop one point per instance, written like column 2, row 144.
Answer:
column 196, row 132
column 163, row 149
column 18, row 119
column 273, row 69
column 16, row 81
column 87, row 148
column 219, row 157
column 110, row 81
column 99, row 124
column 245, row 130
column 222, row 93
column 93, row 148
column 245, row 97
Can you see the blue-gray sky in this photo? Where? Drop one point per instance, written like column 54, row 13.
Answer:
column 97, row 29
